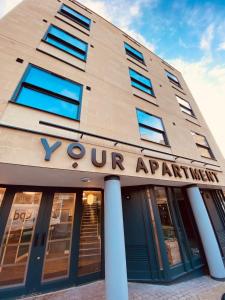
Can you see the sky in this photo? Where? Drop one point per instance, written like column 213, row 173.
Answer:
column 189, row 34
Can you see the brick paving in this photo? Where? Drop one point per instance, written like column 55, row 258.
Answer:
column 202, row 288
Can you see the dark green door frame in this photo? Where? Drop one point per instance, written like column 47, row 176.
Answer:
column 33, row 282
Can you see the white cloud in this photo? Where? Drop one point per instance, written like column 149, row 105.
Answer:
column 207, row 38
column 124, row 14
column 221, row 46
column 7, row 5
column 208, row 88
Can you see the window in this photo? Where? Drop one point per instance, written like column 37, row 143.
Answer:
column 75, row 16
column 185, row 106
column 202, row 145
column 141, row 82
column 43, row 90
column 134, row 53
column 151, row 128
column 172, row 78
column 66, row 42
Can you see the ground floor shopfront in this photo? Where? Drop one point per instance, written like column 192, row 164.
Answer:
column 53, row 238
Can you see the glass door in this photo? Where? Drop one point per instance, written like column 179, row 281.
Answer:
column 59, row 237
column 16, row 241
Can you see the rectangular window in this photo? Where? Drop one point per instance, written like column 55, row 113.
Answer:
column 172, row 78
column 66, row 42
column 151, row 128
column 141, row 82
column 43, row 90
column 134, row 53
column 202, row 145
column 75, row 16
column 185, row 106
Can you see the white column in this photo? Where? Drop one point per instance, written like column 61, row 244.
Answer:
column 115, row 258
column 210, row 244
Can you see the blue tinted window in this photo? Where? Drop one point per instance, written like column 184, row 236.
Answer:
column 76, row 16
column 141, row 82
column 172, row 78
column 45, row 91
column 133, row 52
column 48, row 103
column 149, row 120
column 64, row 41
column 53, row 83
column 151, row 127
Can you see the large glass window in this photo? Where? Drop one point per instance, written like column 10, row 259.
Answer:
column 172, row 78
column 185, row 106
column 169, row 232
column 202, row 145
column 46, row 91
column 75, row 16
column 90, row 235
column 58, row 249
column 188, row 221
column 151, row 128
column 141, row 82
column 66, row 42
column 17, row 240
column 134, row 53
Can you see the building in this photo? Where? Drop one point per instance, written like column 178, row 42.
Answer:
column 107, row 167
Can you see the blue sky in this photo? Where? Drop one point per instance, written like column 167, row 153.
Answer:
column 190, row 34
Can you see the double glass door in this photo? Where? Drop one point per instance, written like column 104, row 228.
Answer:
column 40, row 243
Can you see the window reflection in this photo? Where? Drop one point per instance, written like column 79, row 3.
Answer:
column 188, row 222
column 170, row 238
column 16, row 244
column 90, row 235
column 57, row 253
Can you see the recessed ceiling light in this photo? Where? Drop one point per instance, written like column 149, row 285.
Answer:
column 86, row 179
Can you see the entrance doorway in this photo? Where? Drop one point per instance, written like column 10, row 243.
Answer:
column 161, row 237
column 48, row 238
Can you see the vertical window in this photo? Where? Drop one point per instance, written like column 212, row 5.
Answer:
column 75, row 16
column 202, row 145
column 172, row 78
column 43, row 90
column 134, row 53
column 2, row 192
column 151, row 128
column 169, row 232
column 90, row 234
column 66, row 42
column 185, row 106
column 141, row 82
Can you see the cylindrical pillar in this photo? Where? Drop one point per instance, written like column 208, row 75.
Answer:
column 208, row 238
column 115, row 258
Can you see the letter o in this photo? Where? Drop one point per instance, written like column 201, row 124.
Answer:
column 70, row 150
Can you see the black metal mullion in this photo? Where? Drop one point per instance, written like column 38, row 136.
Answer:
column 141, row 83
column 50, row 93
column 66, row 43
column 152, row 128
column 76, row 19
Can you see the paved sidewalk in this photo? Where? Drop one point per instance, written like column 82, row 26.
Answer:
column 202, row 288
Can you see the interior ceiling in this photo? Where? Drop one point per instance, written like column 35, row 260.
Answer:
column 37, row 176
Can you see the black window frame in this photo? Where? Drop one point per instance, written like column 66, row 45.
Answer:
column 33, row 87
column 163, row 132
column 65, row 43
column 192, row 114
column 177, row 83
column 200, row 146
column 131, row 54
column 73, row 18
column 152, row 93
